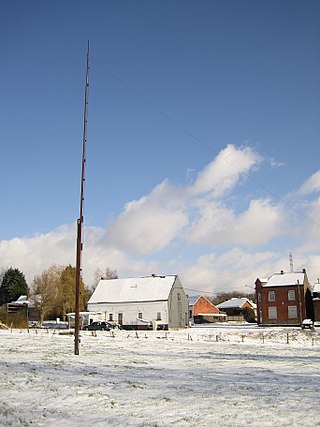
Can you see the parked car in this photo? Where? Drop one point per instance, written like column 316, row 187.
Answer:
column 102, row 326
column 307, row 323
column 98, row 326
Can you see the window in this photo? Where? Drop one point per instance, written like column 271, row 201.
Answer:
column 110, row 317
column 272, row 312
column 271, row 296
column 259, row 297
column 291, row 295
column 140, row 315
column 120, row 318
column 292, row 312
column 159, row 316
column 179, row 296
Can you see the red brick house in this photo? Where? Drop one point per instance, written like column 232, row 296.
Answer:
column 284, row 299
column 203, row 311
column 316, row 300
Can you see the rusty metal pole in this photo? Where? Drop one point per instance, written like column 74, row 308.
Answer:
column 80, row 219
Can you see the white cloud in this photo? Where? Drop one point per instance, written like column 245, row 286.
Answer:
column 275, row 163
column 217, row 225
column 171, row 230
column 225, row 170
column 311, row 226
column 236, row 269
column 312, row 184
column 32, row 255
column 148, row 225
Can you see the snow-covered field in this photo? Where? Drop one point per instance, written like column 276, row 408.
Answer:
column 231, row 376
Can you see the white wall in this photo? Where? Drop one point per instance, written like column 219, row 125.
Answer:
column 130, row 311
column 178, row 306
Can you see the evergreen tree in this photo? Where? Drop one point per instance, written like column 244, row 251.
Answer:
column 248, row 314
column 12, row 286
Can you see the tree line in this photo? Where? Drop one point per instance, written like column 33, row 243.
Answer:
column 224, row 296
column 52, row 292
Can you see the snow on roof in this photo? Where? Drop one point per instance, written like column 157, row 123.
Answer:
column 233, row 303
column 212, row 314
column 150, row 288
column 285, row 279
column 193, row 299
column 23, row 299
column 316, row 287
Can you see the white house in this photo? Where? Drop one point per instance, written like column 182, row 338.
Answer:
column 142, row 303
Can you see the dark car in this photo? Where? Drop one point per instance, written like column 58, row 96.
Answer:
column 98, row 326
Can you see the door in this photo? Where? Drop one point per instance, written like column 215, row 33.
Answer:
column 120, row 318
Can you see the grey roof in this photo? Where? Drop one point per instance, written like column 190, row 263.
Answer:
column 285, row 279
column 150, row 288
column 193, row 299
column 234, row 303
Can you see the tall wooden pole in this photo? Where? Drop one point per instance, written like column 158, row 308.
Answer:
column 80, row 219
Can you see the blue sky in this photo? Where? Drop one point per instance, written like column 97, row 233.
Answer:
column 203, row 137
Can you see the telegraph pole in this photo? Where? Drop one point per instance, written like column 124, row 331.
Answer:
column 80, row 219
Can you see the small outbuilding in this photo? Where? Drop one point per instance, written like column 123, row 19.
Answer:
column 157, row 302
column 234, row 308
column 201, row 310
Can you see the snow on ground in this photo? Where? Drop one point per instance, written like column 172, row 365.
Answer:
column 234, row 376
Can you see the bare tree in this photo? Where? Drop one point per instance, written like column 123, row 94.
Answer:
column 224, row 296
column 44, row 291
column 54, row 292
column 106, row 274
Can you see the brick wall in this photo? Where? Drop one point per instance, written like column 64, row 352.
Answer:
column 203, row 305
column 281, row 304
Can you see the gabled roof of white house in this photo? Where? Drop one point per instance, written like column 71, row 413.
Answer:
column 234, row 303
column 150, row 288
column 285, row 279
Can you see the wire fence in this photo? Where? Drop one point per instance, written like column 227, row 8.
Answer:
column 266, row 336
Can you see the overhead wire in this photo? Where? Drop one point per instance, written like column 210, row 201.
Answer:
column 205, row 145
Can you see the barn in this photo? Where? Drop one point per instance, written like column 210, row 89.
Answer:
column 201, row 310
column 157, row 302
